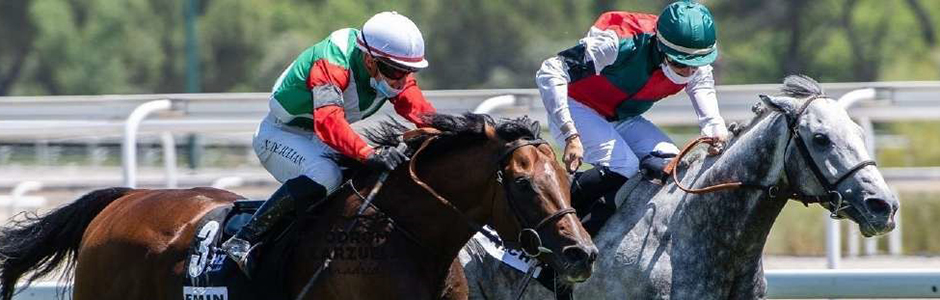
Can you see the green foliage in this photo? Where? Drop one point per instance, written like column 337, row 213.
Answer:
column 915, row 145
column 801, row 230
column 137, row 46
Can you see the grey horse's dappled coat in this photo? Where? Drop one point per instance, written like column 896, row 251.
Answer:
column 664, row 243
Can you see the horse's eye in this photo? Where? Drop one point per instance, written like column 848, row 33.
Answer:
column 522, row 180
column 821, row 140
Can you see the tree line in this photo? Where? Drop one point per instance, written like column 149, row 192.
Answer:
column 55, row 47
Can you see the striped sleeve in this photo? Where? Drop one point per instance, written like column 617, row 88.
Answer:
column 332, row 128
column 329, row 74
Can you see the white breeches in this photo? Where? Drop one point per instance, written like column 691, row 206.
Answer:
column 288, row 152
column 616, row 145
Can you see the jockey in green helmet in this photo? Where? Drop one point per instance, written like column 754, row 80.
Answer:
column 596, row 92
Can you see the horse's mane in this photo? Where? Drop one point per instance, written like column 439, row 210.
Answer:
column 794, row 86
column 456, row 130
column 798, row 87
column 801, row 86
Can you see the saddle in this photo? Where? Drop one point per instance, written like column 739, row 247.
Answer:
column 210, row 275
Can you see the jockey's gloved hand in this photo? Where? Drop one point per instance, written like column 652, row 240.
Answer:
column 574, row 153
column 722, row 135
column 385, row 158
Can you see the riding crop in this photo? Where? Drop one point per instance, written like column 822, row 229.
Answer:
column 349, row 226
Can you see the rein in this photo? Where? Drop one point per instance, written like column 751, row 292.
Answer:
column 834, row 197
column 530, row 232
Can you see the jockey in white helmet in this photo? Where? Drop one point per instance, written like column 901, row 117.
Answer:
column 342, row 79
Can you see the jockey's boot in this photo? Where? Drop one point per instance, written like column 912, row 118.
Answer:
column 587, row 188
column 654, row 167
column 294, row 195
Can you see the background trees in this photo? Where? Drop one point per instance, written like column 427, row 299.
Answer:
column 137, row 46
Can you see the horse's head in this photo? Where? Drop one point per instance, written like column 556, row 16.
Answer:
column 524, row 192
column 827, row 158
column 537, row 202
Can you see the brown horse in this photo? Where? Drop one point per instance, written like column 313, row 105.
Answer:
column 133, row 243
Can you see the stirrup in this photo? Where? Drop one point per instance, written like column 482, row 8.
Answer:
column 239, row 251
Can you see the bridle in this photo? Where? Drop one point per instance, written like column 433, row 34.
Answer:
column 832, row 197
column 528, row 233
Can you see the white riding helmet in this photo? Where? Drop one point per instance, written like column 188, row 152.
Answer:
column 395, row 37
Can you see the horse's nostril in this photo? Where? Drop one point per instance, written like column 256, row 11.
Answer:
column 878, row 206
column 577, row 254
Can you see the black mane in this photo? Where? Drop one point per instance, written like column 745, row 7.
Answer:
column 468, row 126
column 456, row 130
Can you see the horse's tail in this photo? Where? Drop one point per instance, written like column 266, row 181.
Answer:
column 38, row 244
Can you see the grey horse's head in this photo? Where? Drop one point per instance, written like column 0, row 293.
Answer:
column 850, row 183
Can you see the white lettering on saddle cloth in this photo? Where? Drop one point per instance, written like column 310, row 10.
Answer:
column 198, row 260
column 511, row 257
column 205, row 293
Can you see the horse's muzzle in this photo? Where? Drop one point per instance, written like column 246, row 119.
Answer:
column 579, row 261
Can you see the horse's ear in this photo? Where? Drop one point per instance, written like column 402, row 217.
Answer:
column 783, row 104
column 536, row 129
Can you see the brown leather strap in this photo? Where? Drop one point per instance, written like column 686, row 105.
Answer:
column 671, row 168
column 414, row 176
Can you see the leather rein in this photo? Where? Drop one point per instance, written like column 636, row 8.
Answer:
column 833, row 197
column 530, row 232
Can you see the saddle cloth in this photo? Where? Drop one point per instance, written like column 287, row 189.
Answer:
column 210, row 275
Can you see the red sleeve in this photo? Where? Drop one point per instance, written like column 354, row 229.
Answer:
column 411, row 103
column 627, row 24
column 331, row 126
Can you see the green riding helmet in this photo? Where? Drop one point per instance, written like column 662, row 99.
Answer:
column 686, row 33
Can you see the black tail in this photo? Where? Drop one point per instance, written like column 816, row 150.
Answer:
column 39, row 244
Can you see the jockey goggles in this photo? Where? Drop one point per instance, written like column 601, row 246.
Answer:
column 389, row 70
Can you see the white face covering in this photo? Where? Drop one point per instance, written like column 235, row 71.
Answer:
column 383, row 88
column 673, row 76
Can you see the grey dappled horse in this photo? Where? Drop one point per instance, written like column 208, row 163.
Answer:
column 665, row 243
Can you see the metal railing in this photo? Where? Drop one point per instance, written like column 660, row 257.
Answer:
column 70, row 116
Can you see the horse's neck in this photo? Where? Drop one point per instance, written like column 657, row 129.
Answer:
column 747, row 215
column 469, row 184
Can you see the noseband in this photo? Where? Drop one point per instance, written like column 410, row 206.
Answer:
column 528, row 233
column 833, row 198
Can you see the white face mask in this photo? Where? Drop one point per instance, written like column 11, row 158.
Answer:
column 673, row 76
column 383, row 88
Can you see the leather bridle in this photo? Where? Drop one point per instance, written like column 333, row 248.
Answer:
column 527, row 233
column 833, row 198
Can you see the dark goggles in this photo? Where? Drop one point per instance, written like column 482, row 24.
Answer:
column 391, row 71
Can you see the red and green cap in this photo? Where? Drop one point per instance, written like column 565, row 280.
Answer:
column 686, row 33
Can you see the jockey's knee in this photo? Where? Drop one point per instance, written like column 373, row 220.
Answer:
column 627, row 165
column 327, row 175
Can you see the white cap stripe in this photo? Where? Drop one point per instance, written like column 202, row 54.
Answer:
column 686, row 50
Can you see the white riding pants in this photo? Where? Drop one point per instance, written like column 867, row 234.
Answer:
column 288, row 152
column 616, row 145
